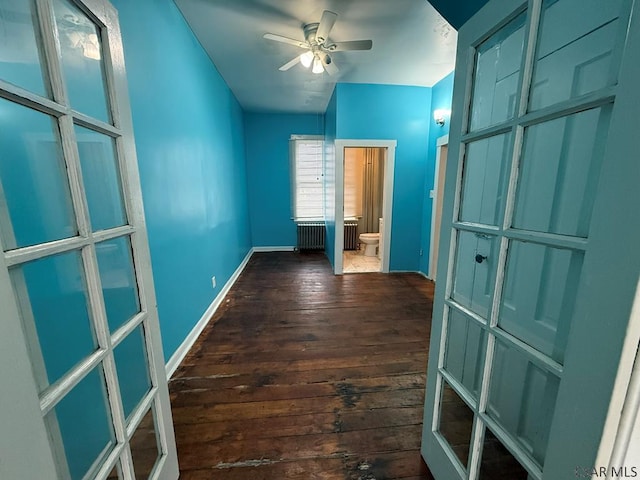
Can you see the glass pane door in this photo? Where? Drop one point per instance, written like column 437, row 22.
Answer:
column 76, row 263
column 531, row 138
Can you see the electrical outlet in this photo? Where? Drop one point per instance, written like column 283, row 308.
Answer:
column 213, row 282
column 420, row 252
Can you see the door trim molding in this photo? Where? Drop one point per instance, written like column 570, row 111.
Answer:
column 440, row 142
column 387, row 197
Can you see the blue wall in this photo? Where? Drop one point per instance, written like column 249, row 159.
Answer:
column 191, row 155
column 331, row 123
column 442, row 94
column 402, row 113
column 268, row 179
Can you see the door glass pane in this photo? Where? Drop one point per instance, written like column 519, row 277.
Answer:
column 496, row 77
column 20, row 62
column 37, row 206
column 539, row 296
column 475, row 271
column 574, row 57
column 456, row 423
column 52, row 294
column 465, row 349
column 119, row 286
column 82, row 423
column 522, row 398
column 113, row 474
column 497, row 462
column 81, row 50
column 484, row 180
column 101, row 177
column 559, row 173
column 133, row 374
column 145, row 447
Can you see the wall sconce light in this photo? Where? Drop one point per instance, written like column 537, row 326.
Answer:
column 440, row 116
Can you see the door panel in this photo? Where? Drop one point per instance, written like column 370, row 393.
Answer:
column 465, row 350
column 101, row 176
column 118, row 280
column 53, row 298
column 75, row 272
column 577, row 57
column 22, row 49
column 456, row 424
column 498, row 462
column 475, row 270
column 146, row 449
column 560, row 169
column 484, row 177
column 539, row 296
column 85, row 425
column 522, row 399
column 532, row 208
column 134, row 378
column 82, row 60
column 497, row 73
column 37, row 198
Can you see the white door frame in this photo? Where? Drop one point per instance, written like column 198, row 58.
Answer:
column 440, row 142
column 387, row 197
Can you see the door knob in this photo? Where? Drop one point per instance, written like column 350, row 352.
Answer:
column 480, row 258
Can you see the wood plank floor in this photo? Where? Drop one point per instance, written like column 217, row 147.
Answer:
column 307, row 375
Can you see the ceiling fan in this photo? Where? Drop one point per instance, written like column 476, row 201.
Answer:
column 318, row 46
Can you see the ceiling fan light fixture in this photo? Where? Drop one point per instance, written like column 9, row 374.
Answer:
column 317, row 65
column 306, row 59
column 317, row 46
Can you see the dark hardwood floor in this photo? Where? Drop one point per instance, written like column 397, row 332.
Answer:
column 306, row 375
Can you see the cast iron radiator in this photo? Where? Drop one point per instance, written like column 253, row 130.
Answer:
column 310, row 236
column 351, row 235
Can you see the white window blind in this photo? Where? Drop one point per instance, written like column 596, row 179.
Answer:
column 353, row 177
column 307, row 195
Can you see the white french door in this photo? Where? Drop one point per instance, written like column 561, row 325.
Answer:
column 84, row 392
column 538, row 251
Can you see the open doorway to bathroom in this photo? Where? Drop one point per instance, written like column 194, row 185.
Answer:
column 364, row 196
column 363, row 222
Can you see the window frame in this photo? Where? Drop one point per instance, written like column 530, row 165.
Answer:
column 293, row 178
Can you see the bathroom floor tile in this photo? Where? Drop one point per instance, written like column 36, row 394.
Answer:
column 354, row 261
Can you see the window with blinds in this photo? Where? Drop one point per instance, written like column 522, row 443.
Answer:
column 307, row 196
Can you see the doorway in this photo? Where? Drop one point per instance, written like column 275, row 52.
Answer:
column 363, row 194
column 437, row 194
column 346, row 151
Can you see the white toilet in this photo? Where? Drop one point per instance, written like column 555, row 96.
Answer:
column 370, row 241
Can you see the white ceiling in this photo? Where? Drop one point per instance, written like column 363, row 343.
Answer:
column 412, row 45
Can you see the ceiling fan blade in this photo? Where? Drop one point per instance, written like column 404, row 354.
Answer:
column 287, row 40
column 353, row 45
column 290, row 64
column 326, row 24
column 329, row 66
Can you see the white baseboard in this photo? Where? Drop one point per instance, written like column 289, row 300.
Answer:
column 185, row 346
column 425, row 275
column 273, row 249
